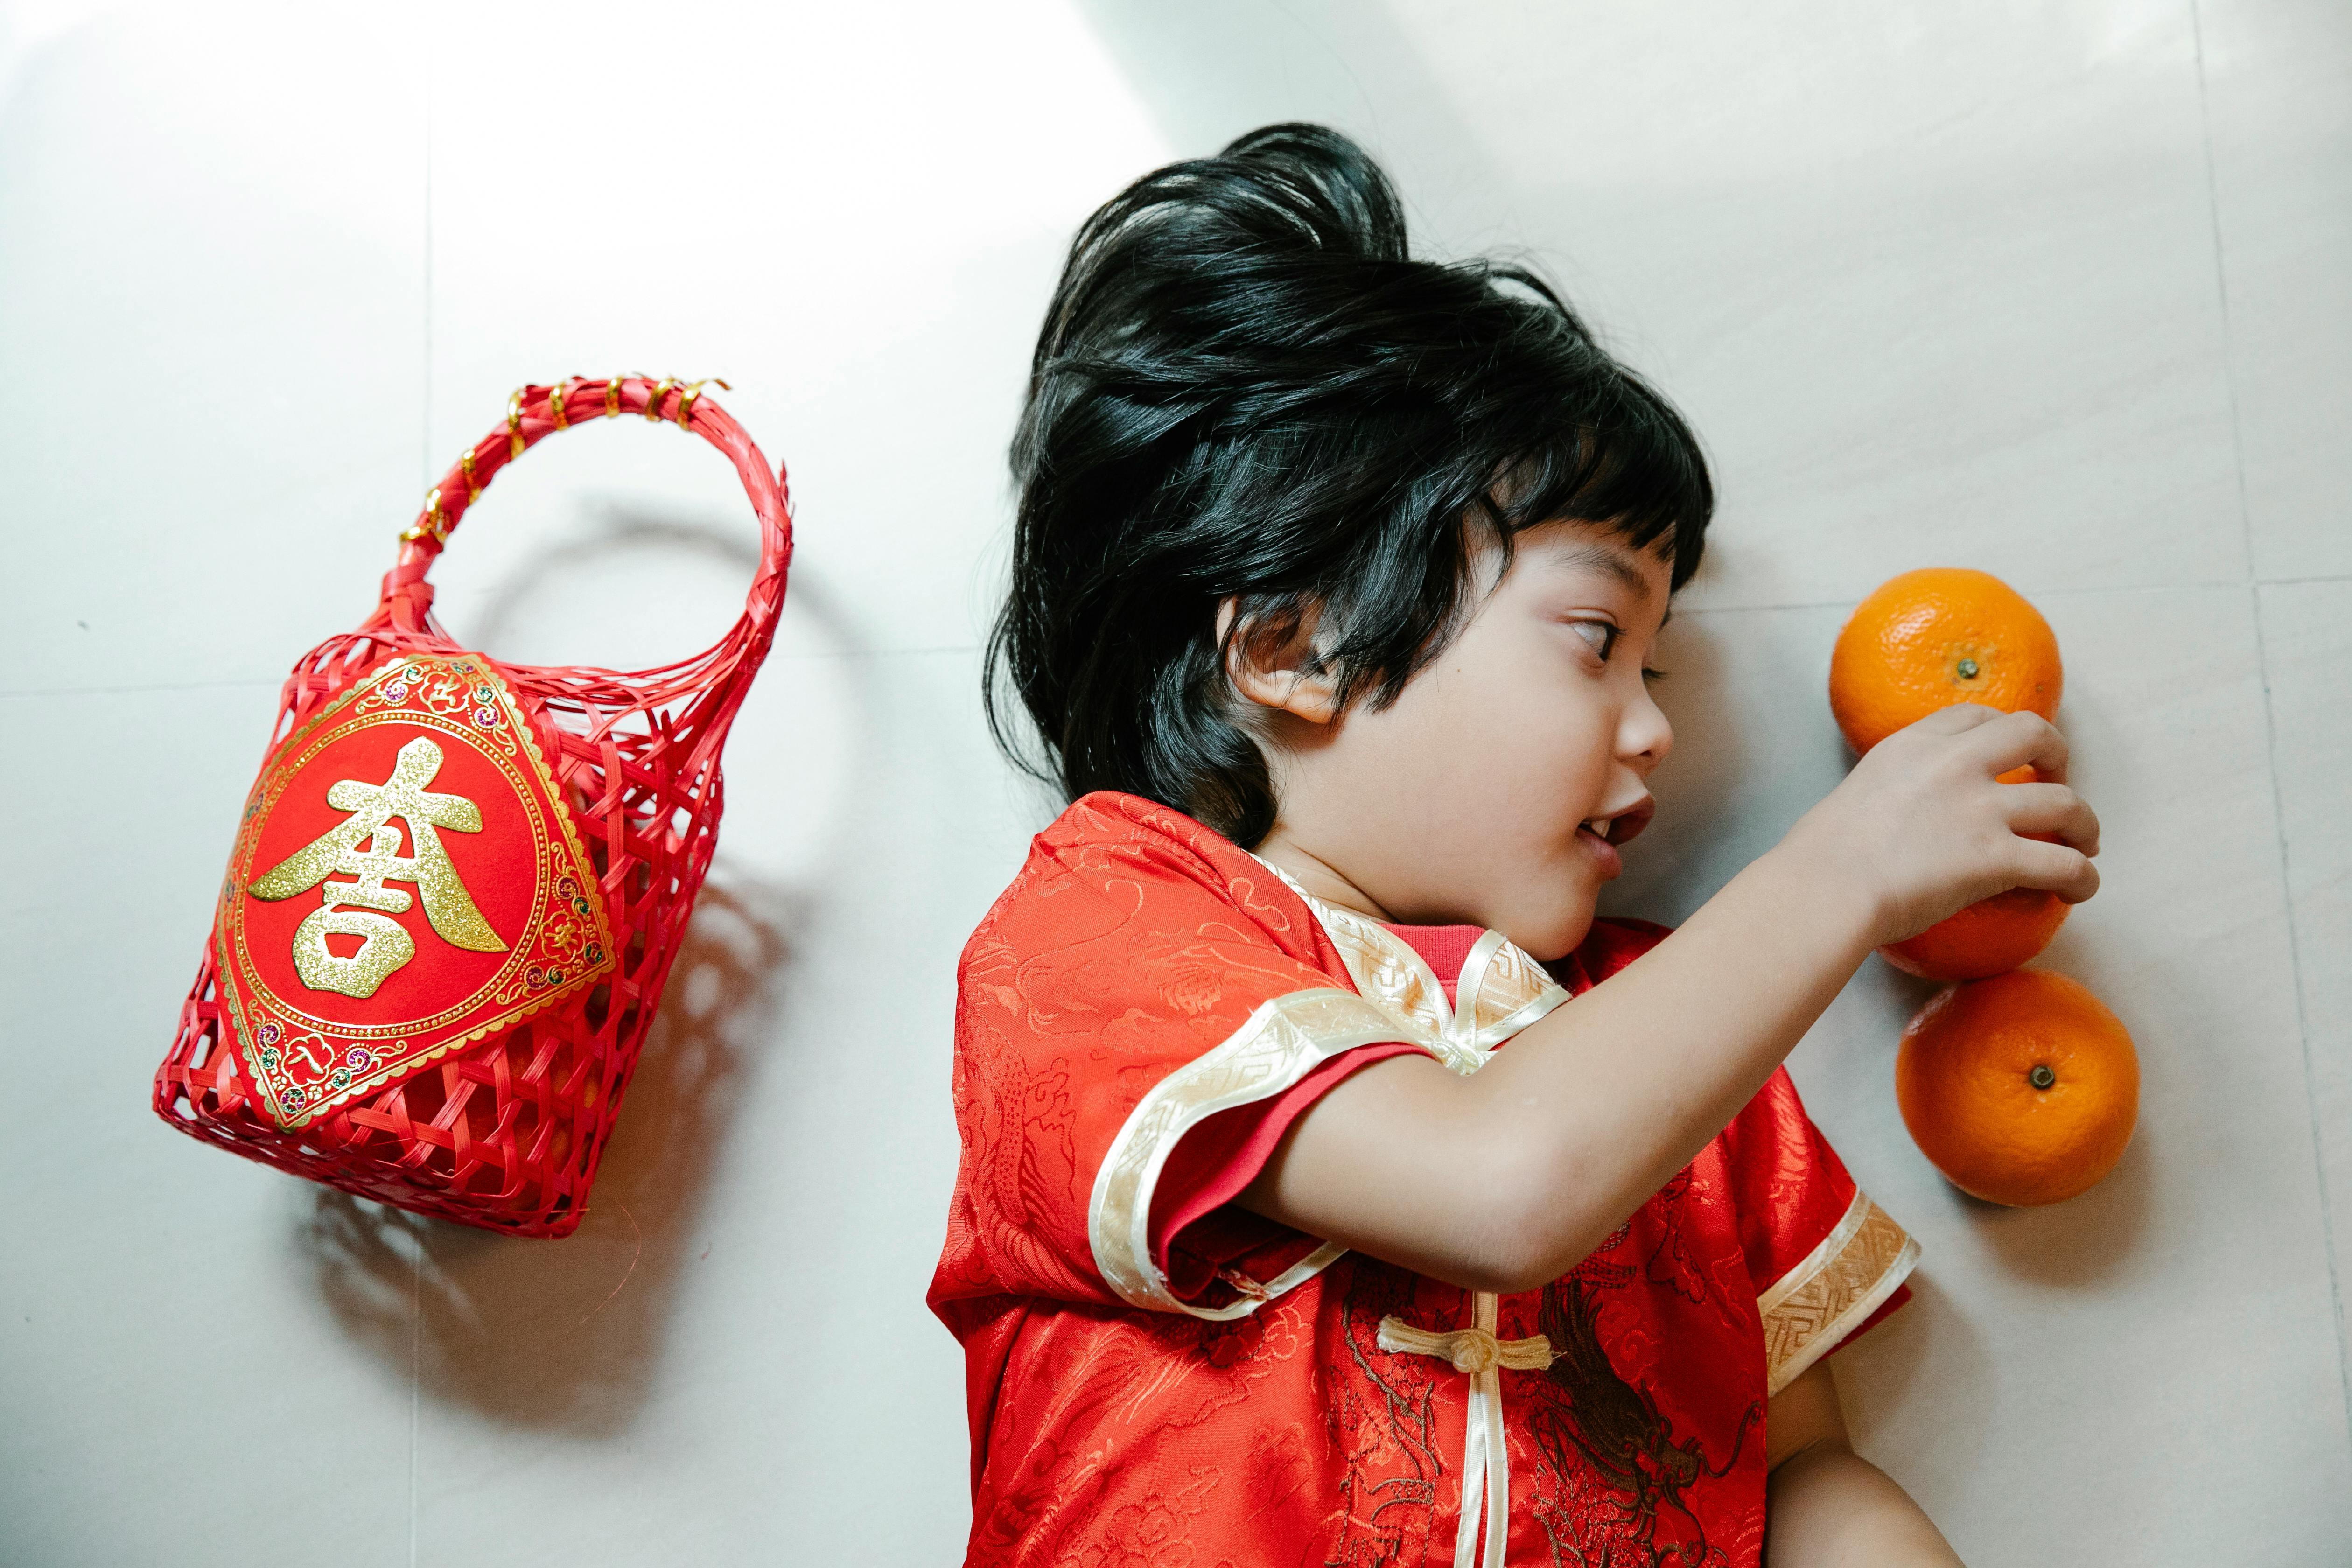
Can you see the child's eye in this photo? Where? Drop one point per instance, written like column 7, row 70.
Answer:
column 1653, row 676
column 1601, row 636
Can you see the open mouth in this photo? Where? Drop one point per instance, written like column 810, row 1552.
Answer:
column 1621, row 827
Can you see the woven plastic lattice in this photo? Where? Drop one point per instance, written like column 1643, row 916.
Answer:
column 505, row 1134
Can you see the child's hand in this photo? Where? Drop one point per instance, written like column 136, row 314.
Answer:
column 1504, row 1180
column 1920, row 829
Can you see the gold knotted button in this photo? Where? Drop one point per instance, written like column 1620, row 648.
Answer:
column 1471, row 1351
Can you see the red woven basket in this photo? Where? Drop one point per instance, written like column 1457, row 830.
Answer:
column 458, row 884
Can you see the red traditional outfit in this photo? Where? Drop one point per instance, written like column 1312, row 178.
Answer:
column 1160, row 1379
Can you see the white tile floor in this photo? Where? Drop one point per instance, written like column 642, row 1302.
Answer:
column 2058, row 289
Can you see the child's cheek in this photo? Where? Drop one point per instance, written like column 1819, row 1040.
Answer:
column 1567, row 773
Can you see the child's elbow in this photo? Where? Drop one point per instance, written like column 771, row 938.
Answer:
column 1507, row 1277
column 1532, row 1231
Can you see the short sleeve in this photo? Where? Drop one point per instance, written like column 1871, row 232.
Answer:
column 1826, row 1262
column 1201, row 1245
column 1141, row 979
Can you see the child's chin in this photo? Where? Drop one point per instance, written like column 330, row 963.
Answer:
column 1561, row 933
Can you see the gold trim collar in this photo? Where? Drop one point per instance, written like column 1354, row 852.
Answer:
column 1501, row 991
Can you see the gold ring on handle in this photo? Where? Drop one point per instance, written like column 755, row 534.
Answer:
column 431, row 521
column 514, row 428
column 612, row 398
column 661, row 390
column 555, row 403
column 693, row 391
column 473, row 490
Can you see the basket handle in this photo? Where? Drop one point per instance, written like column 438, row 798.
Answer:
column 535, row 412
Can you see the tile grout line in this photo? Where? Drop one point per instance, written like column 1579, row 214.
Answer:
column 137, row 688
column 2270, row 719
column 424, row 457
column 416, row 1359
column 2044, row 592
column 424, row 429
column 272, row 683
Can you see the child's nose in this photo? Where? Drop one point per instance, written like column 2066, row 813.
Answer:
column 1645, row 736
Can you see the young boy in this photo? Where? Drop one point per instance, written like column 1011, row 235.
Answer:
column 1335, row 1188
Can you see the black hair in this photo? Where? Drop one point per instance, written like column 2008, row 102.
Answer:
column 1247, row 387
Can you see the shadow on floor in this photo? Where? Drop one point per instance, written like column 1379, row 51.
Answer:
column 2074, row 1245
column 1928, row 1356
column 568, row 1334
column 1209, row 71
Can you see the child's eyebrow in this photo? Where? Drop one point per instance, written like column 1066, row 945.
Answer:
column 1601, row 558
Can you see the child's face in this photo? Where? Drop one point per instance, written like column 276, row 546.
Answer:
column 1465, row 799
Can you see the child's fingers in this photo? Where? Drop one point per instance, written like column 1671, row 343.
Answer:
column 2015, row 740
column 2057, row 868
column 2052, row 809
column 1958, row 719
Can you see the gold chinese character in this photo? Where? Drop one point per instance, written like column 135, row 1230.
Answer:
column 384, row 943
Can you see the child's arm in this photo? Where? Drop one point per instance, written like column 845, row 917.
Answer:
column 1504, row 1180
column 1825, row 1505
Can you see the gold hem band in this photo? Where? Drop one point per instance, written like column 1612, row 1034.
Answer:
column 1813, row 1307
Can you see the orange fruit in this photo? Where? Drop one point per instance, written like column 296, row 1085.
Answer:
column 1990, row 937
column 2023, row 1089
column 1925, row 640
column 1930, row 638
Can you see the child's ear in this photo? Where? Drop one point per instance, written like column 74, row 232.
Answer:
column 1275, row 664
